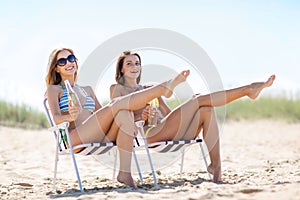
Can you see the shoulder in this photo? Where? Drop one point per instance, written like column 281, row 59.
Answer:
column 113, row 86
column 115, row 90
column 88, row 89
column 117, row 87
column 54, row 90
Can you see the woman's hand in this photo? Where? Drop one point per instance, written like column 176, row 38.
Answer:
column 145, row 113
column 74, row 112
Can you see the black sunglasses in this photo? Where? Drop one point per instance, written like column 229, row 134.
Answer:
column 63, row 61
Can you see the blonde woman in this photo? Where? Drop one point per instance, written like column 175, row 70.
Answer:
column 188, row 119
column 94, row 123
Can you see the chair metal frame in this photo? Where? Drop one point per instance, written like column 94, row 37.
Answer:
column 89, row 149
column 94, row 148
column 166, row 146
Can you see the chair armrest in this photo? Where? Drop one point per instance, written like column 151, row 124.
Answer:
column 141, row 134
column 140, row 123
column 63, row 125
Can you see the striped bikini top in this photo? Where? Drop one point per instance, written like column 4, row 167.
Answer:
column 63, row 101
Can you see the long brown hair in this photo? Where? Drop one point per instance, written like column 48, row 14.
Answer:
column 52, row 77
column 119, row 75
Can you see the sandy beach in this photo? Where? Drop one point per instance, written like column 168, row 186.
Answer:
column 261, row 160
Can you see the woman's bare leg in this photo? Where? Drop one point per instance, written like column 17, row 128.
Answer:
column 139, row 99
column 184, row 114
column 224, row 97
column 122, row 131
column 95, row 127
column 205, row 119
column 186, row 122
column 175, row 125
column 125, row 121
column 188, row 114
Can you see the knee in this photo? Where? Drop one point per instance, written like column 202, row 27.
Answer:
column 206, row 110
column 125, row 120
column 124, row 117
column 208, row 114
column 119, row 103
column 114, row 102
column 198, row 99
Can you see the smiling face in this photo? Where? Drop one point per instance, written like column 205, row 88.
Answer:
column 131, row 68
column 130, row 63
column 55, row 71
column 69, row 68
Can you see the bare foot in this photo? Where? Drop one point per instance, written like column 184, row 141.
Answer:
column 256, row 88
column 216, row 172
column 171, row 84
column 126, row 178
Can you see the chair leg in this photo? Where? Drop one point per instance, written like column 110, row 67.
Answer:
column 74, row 161
column 115, row 165
column 76, row 170
column 137, row 166
column 140, row 125
column 205, row 161
column 55, row 168
column 151, row 165
column 182, row 160
column 56, row 160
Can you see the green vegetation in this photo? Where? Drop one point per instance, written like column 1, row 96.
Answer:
column 264, row 108
column 21, row 116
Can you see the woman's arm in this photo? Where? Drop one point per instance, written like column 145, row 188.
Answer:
column 117, row 90
column 162, row 112
column 163, row 107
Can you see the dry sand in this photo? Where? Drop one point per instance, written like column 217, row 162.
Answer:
column 261, row 160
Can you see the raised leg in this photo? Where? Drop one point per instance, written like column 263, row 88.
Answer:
column 139, row 99
column 224, row 97
column 99, row 124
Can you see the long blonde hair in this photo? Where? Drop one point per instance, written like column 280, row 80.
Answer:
column 52, row 77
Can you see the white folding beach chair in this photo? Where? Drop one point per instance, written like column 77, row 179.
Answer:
column 165, row 146
column 64, row 147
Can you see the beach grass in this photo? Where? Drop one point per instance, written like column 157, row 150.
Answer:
column 21, row 116
column 278, row 108
column 265, row 108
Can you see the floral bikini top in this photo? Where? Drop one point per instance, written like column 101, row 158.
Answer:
column 64, row 100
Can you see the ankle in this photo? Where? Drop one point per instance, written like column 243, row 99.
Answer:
column 126, row 178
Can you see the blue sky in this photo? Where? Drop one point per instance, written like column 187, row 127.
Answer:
column 247, row 40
